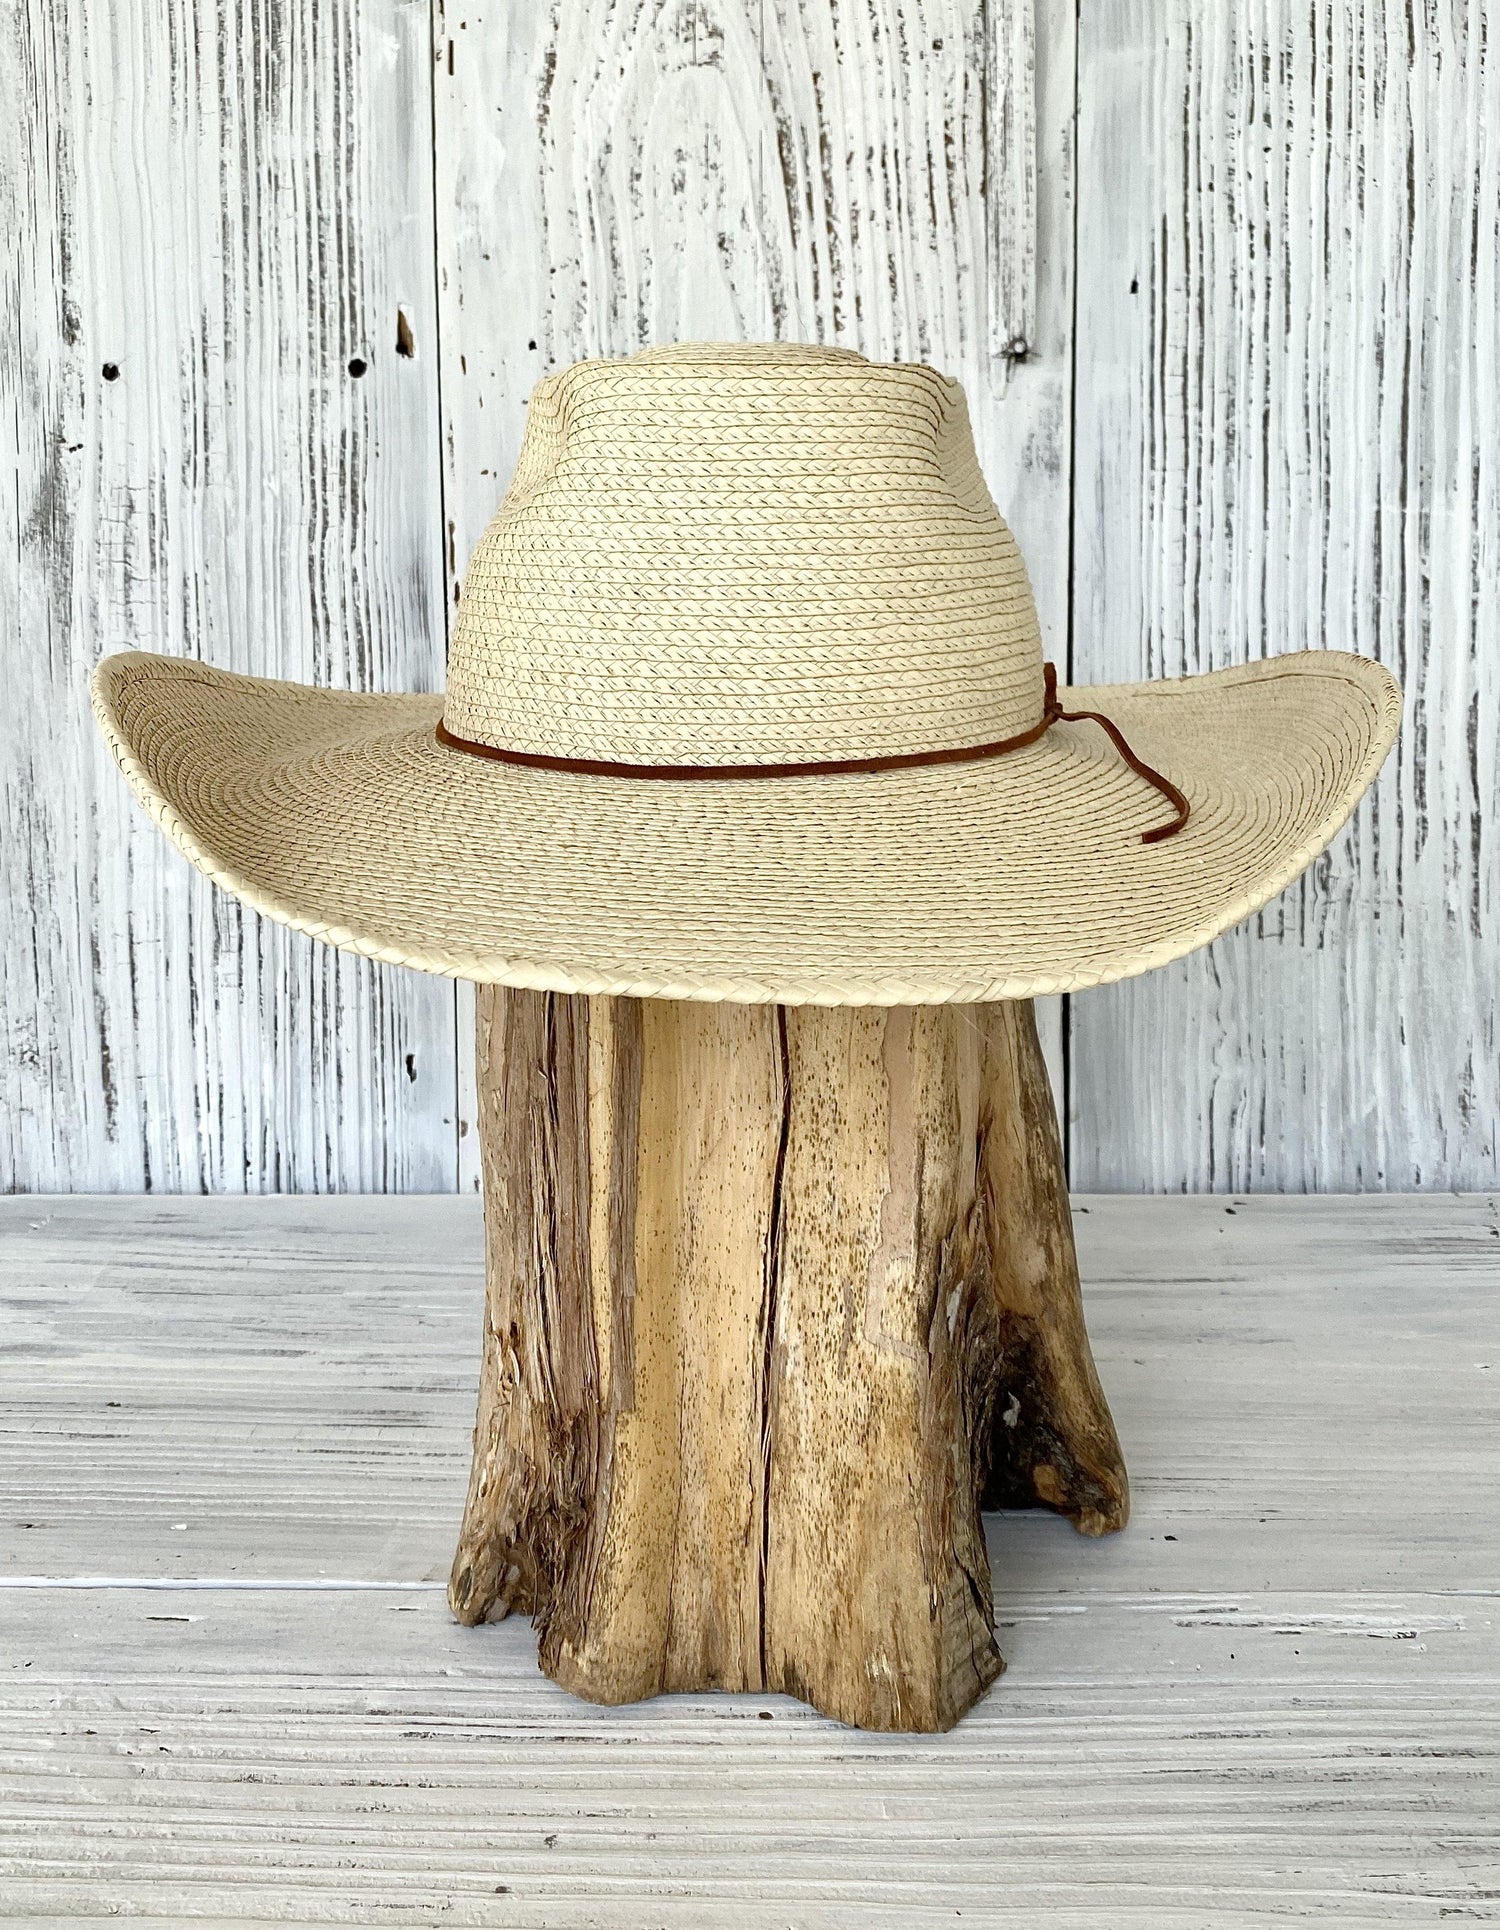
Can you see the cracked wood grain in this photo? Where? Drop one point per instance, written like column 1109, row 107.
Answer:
column 767, row 1290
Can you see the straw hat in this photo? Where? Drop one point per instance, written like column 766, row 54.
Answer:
column 746, row 700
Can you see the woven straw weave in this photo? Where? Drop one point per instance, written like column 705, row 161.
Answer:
column 745, row 558
column 737, row 555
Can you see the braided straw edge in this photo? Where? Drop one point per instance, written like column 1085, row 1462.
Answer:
column 533, row 976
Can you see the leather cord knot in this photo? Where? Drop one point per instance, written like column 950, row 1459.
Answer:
column 1053, row 712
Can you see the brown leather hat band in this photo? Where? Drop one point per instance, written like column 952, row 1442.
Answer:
column 1052, row 713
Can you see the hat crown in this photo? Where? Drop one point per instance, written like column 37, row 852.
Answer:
column 724, row 554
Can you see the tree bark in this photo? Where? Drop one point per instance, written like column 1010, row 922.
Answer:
column 776, row 1295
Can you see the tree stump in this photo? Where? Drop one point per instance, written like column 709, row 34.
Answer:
column 778, row 1297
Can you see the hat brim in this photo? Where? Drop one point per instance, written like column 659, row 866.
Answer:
column 342, row 816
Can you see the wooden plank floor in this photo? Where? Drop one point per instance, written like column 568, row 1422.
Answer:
column 233, row 1437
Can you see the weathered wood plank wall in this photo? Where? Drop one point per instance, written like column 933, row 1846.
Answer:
column 1288, row 435
column 1283, row 332
column 214, row 216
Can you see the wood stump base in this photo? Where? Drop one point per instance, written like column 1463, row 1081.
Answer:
column 778, row 1297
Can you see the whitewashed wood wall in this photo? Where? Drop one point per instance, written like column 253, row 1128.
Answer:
column 1221, row 282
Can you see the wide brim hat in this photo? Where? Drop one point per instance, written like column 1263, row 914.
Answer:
column 746, row 701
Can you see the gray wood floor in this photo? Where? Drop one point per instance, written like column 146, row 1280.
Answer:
column 233, row 1437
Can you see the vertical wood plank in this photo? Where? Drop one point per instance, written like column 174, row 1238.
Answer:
column 222, row 227
column 1011, row 88
column 894, row 178
column 1288, row 382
